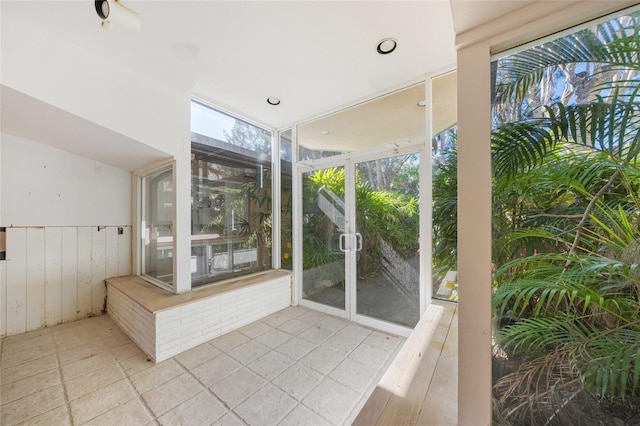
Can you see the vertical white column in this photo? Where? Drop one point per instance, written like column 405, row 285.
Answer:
column 474, row 235
column 296, row 216
column 426, row 201
column 276, row 200
column 182, row 223
column 182, row 203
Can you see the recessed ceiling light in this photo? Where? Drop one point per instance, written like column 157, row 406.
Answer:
column 272, row 100
column 324, row 132
column 386, row 46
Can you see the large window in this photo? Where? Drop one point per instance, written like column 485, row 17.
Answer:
column 157, row 213
column 230, row 197
column 566, row 244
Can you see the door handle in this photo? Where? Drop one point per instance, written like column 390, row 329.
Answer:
column 343, row 237
column 358, row 241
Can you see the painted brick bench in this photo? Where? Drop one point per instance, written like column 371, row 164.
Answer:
column 164, row 324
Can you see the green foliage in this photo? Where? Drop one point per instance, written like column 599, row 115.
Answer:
column 389, row 214
column 566, row 222
column 445, row 214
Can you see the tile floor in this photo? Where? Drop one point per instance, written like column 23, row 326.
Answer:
column 295, row 367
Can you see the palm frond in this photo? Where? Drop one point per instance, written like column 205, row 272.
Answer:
column 613, row 45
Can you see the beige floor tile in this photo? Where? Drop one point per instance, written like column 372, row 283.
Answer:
column 370, row 356
column 229, row 419
column 28, row 369
column 87, row 365
column 311, row 317
column 202, row 409
column 169, row 395
column 100, row 401
column 296, row 348
column 276, row 319
column 271, row 364
column 216, row 369
column 11, row 340
column 59, row 416
column 254, row 329
column 158, row 374
column 350, row 354
column 73, row 338
column 110, row 329
column 268, row 406
column 237, row 387
column 32, row 405
column 94, row 380
column 315, row 334
column 80, row 349
column 339, row 344
column 16, row 358
column 298, row 380
column 322, row 360
column 229, row 341
column 198, row 355
column 354, row 375
column 332, row 401
column 353, row 332
column 303, row 416
column 19, row 389
column 136, row 363
column 294, row 326
column 125, row 351
column 273, row 338
column 295, row 311
column 131, row 412
column 383, row 341
column 331, row 323
column 14, row 345
column 117, row 340
column 248, row 352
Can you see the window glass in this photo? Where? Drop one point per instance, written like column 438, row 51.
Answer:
column 156, row 260
column 222, row 127
column 566, row 244
column 399, row 120
column 230, row 198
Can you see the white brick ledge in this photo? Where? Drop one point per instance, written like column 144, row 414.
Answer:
column 163, row 324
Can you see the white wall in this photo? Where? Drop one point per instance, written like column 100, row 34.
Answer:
column 103, row 92
column 62, row 214
column 43, row 186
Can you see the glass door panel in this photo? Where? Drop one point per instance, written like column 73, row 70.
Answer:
column 323, row 236
column 387, row 239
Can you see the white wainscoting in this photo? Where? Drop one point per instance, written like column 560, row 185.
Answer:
column 56, row 274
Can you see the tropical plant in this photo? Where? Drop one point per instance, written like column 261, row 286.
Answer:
column 566, row 209
column 380, row 212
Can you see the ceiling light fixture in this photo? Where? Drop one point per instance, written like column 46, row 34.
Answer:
column 386, row 46
column 422, row 103
column 324, row 132
column 113, row 11
column 272, row 100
